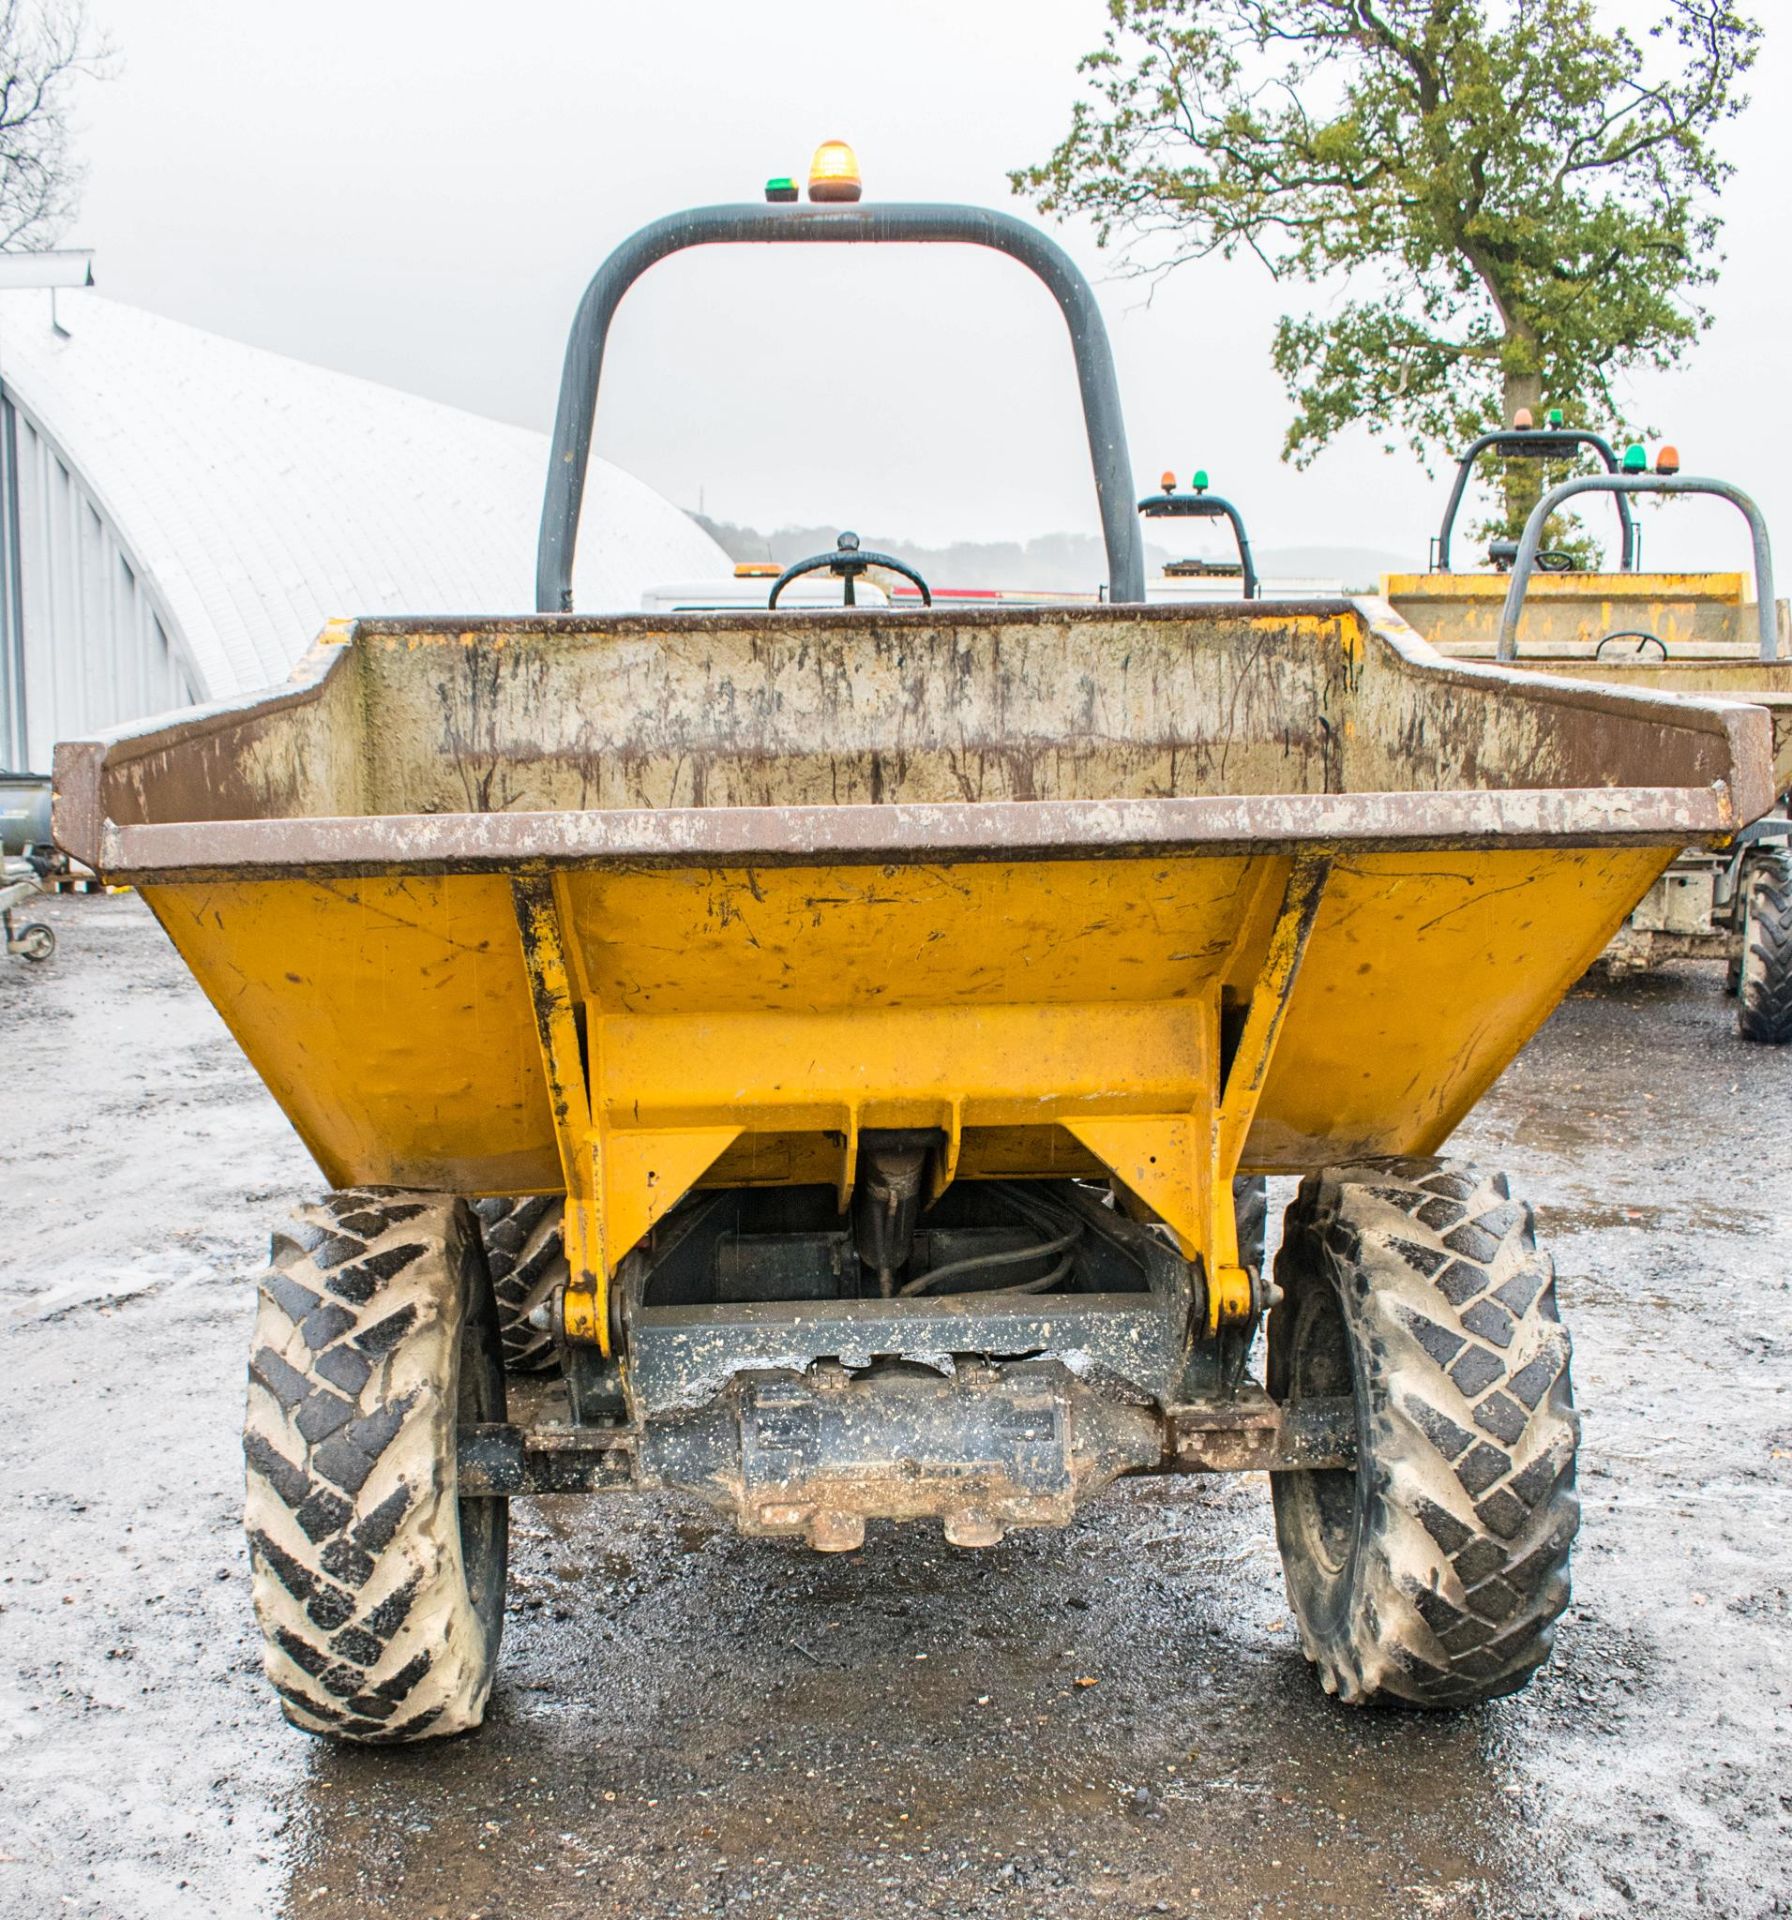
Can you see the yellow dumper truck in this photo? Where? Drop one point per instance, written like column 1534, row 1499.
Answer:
column 879, row 1006
column 1715, row 633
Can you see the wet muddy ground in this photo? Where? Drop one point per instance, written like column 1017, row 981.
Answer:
column 1106, row 1722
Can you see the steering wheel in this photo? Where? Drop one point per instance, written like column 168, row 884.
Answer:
column 1643, row 640
column 846, row 563
column 1551, row 560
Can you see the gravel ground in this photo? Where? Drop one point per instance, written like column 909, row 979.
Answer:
column 1110, row 1721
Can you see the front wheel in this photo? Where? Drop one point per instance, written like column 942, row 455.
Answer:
column 1433, row 1571
column 1764, row 980
column 379, row 1591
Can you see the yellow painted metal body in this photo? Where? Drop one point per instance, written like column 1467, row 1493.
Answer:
column 623, row 907
column 1576, row 610
column 742, row 1027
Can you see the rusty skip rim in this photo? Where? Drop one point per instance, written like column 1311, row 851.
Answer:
column 930, row 834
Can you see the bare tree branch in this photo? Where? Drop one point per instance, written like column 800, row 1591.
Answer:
column 46, row 46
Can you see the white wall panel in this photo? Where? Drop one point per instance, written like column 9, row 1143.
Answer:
column 95, row 649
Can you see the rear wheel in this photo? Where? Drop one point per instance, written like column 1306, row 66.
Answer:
column 1433, row 1571
column 527, row 1258
column 1764, row 984
column 379, row 1591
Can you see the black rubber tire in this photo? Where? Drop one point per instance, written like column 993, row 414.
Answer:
column 379, row 1592
column 1764, row 986
column 36, row 942
column 527, row 1260
column 1433, row 1572
column 1250, row 1203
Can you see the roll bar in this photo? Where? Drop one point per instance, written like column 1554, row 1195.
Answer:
column 1626, row 483
column 898, row 222
column 1534, row 443
column 1206, row 506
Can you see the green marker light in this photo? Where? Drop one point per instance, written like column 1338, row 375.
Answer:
column 781, row 189
column 1199, row 482
column 1636, row 458
column 1554, row 416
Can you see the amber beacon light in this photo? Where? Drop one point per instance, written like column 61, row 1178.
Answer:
column 834, row 172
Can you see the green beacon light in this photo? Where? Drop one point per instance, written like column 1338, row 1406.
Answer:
column 781, row 189
column 1555, row 417
column 1199, row 482
column 1636, row 458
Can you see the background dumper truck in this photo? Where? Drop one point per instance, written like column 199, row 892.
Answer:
column 1698, row 633
column 878, row 1007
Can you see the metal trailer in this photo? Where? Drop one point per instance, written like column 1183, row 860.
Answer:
column 840, row 1034
column 1700, row 634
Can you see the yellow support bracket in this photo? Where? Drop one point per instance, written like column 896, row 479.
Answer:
column 587, row 1305
column 1158, row 1161
column 1229, row 1284
column 619, row 1182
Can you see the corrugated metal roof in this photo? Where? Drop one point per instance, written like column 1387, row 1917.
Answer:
column 259, row 496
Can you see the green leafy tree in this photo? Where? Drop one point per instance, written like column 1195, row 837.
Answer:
column 1516, row 197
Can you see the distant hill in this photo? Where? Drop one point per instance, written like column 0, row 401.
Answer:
column 1055, row 562
column 1360, row 568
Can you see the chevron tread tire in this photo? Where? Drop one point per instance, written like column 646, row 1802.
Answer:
column 1433, row 1572
column 379, row 1592
column 527, row 1260
column 1764, row 985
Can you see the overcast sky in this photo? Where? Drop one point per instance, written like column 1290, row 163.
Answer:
column 417, row 192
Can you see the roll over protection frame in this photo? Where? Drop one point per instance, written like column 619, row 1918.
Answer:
column 1534, row 443
column 1627, row 483
column 1206, row 506
column 899, row 222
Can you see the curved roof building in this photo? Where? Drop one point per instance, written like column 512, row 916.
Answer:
column 180, row 514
